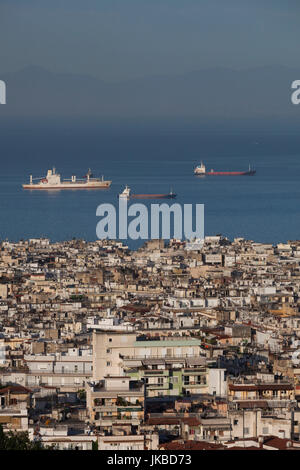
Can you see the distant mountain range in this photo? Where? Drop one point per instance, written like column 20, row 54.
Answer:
column 213, row 93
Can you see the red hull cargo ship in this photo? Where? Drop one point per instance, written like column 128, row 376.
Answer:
column 126, row 194
column 200, row 170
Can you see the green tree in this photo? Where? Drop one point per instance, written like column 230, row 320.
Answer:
column 18, row 441
column 95, row 445
column 81, row 394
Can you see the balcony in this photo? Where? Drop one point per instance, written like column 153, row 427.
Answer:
column 60, row 373
column 109, row 420
column 105, row 408
column 194, row 371
column 155, row 372
column 131, row 408
column 193, row 385
column 156, row 356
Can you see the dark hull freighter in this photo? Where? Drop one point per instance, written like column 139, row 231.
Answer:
column 126, row 194
column 200, row 170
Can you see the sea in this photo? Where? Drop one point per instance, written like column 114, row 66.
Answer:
column 149, row 158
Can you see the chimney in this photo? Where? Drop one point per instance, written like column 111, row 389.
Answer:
column 260, row 441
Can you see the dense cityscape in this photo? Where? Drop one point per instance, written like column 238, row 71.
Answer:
column 173, row 346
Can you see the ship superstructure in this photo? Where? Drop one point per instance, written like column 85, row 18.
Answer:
column 53, row 181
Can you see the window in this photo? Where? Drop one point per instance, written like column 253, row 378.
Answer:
column 110, row 340
column 235, row 422
column 108, row 363
column 200, row 379
column 186, row 380
column 246, row 430
column 108, row 351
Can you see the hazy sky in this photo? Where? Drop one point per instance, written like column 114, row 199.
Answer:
column 119, row 39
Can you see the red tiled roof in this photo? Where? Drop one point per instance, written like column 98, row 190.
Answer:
column 191, row 445
column 253, row 404
column 237, row 447
column 155, row 421
column 15, row 389
column 274, row 441
column 268, row 441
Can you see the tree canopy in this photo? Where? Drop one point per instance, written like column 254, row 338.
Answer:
column 18, row 441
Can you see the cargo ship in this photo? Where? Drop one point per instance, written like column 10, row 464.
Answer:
column 126, row 194
column 53, row 181
column 200, row 170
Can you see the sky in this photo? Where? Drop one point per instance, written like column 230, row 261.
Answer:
column 116, row 40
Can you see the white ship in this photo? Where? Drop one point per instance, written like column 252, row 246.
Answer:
column 53, row 181
column 125, row 194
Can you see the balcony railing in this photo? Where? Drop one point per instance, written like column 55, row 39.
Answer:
column 59, row 373
column 157, row 385
column 156, row 356
column 194, row 385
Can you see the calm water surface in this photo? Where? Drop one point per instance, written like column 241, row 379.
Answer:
column 263, row 208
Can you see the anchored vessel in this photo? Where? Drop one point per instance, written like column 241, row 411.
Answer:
column 126, row 194
column 201, row 170
column 54, row 181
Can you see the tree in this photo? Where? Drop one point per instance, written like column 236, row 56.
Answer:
column 95, row 445
column 18, row 441
column 81, row 394
column 121, row 401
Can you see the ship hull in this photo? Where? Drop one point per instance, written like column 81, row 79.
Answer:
column 227, row 173
column 39, row 187
column 153, row 196
column 149, row 196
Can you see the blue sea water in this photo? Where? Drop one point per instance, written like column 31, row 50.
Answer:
column 263, row 208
